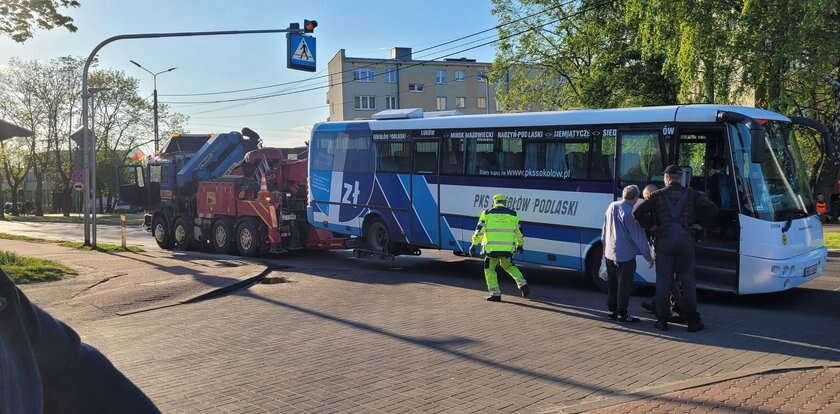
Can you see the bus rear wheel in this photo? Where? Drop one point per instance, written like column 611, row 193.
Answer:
column 376, row 236
column 593, row 268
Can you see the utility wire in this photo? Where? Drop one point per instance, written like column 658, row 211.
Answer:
column 419, row 63
column 361, row 67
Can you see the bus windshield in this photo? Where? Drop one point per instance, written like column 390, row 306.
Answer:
column 777, row 189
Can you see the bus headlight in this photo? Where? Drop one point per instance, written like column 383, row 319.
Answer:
column 782, row 270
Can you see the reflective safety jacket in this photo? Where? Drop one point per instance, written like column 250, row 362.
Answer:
column 498, row 231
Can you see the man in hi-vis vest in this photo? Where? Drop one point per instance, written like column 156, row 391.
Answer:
column 499, row 235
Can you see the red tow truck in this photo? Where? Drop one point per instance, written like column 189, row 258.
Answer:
column 201, row 193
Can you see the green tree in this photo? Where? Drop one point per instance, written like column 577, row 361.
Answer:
column 19, row 17
column 574, row 54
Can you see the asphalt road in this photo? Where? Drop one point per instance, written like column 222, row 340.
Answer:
column 810, row 295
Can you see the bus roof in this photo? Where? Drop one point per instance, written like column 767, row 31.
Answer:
column 651, row 114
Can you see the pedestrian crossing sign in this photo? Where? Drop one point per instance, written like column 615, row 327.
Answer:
column 300, row 52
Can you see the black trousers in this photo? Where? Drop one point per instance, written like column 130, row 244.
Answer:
column 619, row 285
column 675, row 260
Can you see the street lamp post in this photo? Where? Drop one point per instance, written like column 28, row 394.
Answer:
column 90, row 177
column 154, row 78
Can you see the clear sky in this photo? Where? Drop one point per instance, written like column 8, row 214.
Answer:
column 208, row 64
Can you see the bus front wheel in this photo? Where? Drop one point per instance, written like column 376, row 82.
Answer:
column 376, row 236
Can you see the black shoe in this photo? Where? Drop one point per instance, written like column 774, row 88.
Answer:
column 676, row 318
column 494, row 298
column 649, row 307
column 695, row 325
column 628, row 319
column 613, row 316
column 662, row 325
column 525, row 291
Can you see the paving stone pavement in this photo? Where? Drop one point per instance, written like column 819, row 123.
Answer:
column 353, row 336
column 798, row 391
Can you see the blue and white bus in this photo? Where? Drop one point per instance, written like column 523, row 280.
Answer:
column 406, row 181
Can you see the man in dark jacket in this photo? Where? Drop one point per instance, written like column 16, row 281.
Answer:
column 676, row 209
column 45, row 368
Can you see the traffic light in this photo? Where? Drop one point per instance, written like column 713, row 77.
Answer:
column 309, row 26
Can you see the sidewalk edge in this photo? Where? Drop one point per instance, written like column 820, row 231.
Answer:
column 655, row 391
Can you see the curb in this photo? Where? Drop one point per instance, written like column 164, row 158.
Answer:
column 212, row 294
column 655, row 391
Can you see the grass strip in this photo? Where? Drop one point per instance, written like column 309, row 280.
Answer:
column 30, row 270
column 102, row 247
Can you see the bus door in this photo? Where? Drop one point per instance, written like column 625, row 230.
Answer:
column 425, row 192
column 703, row 153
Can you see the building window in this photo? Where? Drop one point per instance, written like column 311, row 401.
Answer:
column 460, row 102
column 440, row 103
column 415, row 87
column 440, row 77
column 364, row 75
column 481, row 102
column 390, row 102
column 481, row 76
column 459, row 75
column 390, row 76
column 365, row 102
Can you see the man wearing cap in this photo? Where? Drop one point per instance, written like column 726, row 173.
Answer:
column 677, row 210
column 499, row 236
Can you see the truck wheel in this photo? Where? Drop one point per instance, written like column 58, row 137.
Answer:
column 222, row 237
column 161, row 232
column 181, row 234
column 376, row 236
column 247, row 238
column 593, row 268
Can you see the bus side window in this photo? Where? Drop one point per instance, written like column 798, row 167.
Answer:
column 603, row 157
column 495, row 156
column 393, row 156
column 482, row 158
column 557, row 159
column 453, row 156
column 425, row 157
column 323, row 151
column 640, row 159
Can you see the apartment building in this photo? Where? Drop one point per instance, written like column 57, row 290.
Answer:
column 360, row 87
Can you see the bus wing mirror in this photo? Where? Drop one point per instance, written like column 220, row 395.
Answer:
column 758, row 145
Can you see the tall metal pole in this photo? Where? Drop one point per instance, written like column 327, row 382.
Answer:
column 94, row 198
column 157, row 137
column 487, row 94
column 90, row 164
column 85, row 158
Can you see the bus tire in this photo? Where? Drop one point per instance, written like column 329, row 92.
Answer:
column 593, row 268
column 376, row 235
column 161, row 233
column 247, row 238
column 222, row 237
column 182, row 234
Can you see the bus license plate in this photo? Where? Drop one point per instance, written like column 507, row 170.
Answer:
column 810, row 270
